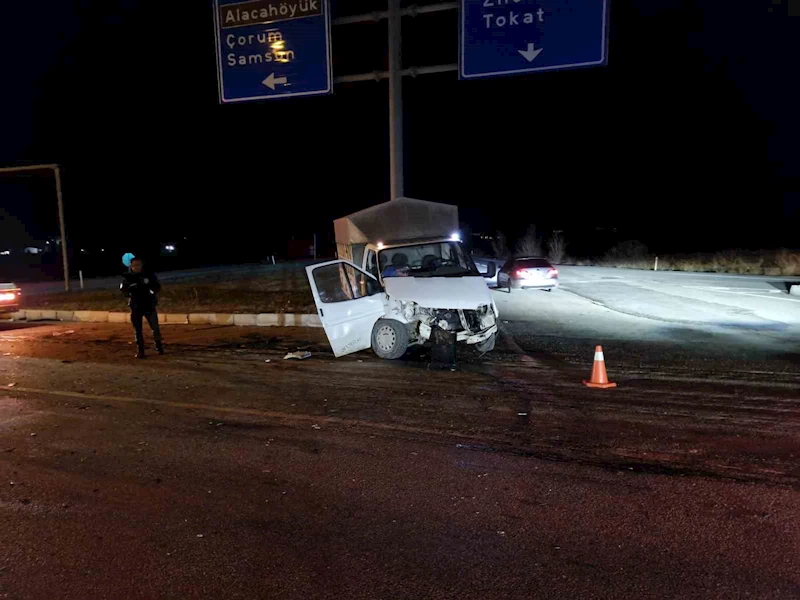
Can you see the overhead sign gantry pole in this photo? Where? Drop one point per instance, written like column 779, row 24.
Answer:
column 62, row 226
column 496, row 37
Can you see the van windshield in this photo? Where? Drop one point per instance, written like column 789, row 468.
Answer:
column 437, row 259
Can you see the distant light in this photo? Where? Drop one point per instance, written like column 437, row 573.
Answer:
column 5, row 252
column 380, row 245
column 455, row 237
column 169, row 248
column 102, row 249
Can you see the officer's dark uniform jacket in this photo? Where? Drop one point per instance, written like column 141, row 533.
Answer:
column 141, row 289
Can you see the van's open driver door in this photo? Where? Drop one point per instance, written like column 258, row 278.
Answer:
column 349, row 301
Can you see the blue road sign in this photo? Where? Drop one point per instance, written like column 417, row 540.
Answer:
column 505, row 37
column 272, row 49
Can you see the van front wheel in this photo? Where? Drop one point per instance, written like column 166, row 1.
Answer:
column 389, row 339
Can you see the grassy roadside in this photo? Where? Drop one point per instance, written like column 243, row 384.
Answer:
column 772, row 264
column 284, row 292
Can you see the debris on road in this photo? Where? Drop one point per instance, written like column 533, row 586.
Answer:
column 11, row 384
column 298, row 355
column 316, row 427
column 268, row 360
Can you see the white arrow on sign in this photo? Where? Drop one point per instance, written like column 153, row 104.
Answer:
column 271, row 81
column 530, row 53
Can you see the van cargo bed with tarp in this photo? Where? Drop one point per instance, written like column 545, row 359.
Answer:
column 401, row 219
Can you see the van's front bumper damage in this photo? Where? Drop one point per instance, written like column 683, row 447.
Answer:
column 470, row 326
column 476, row 338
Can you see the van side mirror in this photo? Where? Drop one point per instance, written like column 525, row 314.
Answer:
column 491, row 270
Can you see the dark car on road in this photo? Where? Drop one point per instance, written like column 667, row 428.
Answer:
column 528, row 273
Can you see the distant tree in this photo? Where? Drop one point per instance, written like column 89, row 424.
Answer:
column 556, row 248
column 500, row 245
column 529, row 244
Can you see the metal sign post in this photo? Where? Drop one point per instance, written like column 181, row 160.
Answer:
column 395, row 102
column 62, row 226
column 498, row 37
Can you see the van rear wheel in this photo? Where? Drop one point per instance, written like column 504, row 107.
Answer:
column 389, row 339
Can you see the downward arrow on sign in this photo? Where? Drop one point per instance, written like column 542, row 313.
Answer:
column 530, row 53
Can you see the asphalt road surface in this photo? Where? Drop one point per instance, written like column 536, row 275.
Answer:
column 709, row 325
column 223, row 471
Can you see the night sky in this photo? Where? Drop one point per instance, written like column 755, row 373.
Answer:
column 687, row 140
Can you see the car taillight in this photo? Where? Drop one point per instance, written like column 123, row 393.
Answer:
column 8, row 297
column 521, row 273
column 553, row 272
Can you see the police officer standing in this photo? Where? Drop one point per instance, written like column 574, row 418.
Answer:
column 141, row 288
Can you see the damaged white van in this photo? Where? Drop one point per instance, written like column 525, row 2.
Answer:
column 391, row 295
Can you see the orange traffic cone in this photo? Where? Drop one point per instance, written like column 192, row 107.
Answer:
column 599, row 377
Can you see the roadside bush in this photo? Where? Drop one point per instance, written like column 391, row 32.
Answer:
column 788, row 262
column 735, row 262
column 529, row 244
column 633, row 255
column 686, row 263
column 556, row 248
column 630, row 255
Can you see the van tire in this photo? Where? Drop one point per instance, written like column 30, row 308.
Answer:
column 389, row 339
